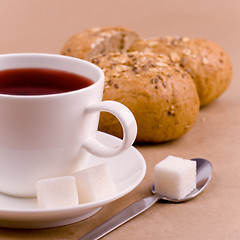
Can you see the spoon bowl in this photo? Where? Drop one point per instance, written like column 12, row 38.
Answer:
column 203, row 176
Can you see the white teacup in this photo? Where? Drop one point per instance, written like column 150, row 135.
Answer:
column 44, row 136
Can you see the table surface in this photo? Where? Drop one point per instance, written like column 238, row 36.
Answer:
column 44, row 26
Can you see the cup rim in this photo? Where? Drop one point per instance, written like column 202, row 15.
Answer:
column 42, row 55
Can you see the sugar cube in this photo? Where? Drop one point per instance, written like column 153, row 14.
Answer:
column 175, row 177
column 94, row 183
column 57, row 192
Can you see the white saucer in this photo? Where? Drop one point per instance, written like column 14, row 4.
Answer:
column 128, row 170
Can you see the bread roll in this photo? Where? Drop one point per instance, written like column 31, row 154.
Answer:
column 163, row 81
column 95, row 41
column 208, row 64
column 161, row 95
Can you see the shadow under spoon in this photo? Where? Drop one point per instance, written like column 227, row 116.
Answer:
column 204, row 173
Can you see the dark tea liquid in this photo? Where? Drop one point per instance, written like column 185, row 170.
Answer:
column 40, row 81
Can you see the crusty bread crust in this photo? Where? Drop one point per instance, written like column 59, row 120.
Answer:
column 209, row 66
column 95, row 41
column 161, row 95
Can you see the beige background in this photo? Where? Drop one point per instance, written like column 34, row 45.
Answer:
column 45, row 25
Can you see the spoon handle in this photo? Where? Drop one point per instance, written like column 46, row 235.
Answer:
column 121, row 217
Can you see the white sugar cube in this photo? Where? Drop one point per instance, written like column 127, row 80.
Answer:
column 95, row 183
column 175, row 177
column 57, row 192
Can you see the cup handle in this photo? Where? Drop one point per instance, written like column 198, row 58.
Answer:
column 129, row 126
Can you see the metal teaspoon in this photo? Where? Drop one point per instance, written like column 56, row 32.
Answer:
column 204, row 173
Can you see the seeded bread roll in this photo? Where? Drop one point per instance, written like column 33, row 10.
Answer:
column 95, row 41
column 161, row 95
column 209, row 66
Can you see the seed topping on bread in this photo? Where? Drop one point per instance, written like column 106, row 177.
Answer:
column 138, row 64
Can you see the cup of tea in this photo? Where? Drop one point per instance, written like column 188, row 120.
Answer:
column 49, row 113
